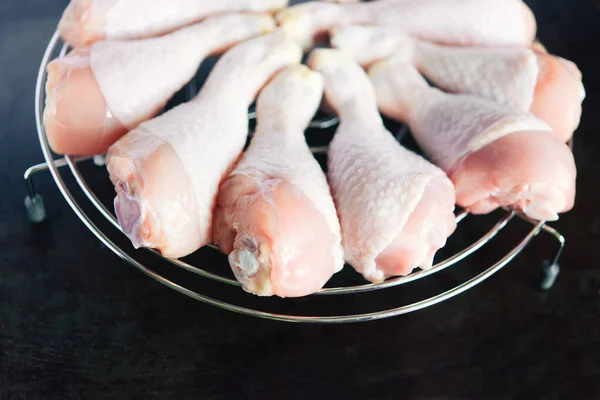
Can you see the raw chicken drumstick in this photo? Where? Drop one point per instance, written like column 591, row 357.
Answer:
column 532, row 80
column 559, row 94
column 395, row 208
column 495, row 154
column 275, row 216
column 167, row 171
column 88, row 21
column 456, row 22
column 96, row 94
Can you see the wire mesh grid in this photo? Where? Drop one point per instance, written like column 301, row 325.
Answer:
column 57, row 166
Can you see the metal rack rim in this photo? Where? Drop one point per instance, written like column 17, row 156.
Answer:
column 53, row 166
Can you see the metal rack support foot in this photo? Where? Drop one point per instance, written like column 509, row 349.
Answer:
column 34, row 202
column 551, row 268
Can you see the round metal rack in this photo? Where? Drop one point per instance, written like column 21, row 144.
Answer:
column 58, row 167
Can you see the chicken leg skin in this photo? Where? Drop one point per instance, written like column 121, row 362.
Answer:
column 275, row 216
column 532, row 80
column 496, row 155
column 167, row 171
column 395, row 208
column 96, row 94
column 88, row 21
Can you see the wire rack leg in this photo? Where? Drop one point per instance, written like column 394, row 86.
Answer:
column 551, row 268
column 34, row 202
column 100, row 160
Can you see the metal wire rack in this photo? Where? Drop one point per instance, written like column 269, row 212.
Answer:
column 57, row 166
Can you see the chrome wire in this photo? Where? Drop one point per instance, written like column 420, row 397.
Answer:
column 423, row 273
column 325, row 291
column 53, row 166
column 113, row 220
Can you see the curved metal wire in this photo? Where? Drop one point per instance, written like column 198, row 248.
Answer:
column 51, row 164
column 423, row 273
column 314, row 124
column 393, row 282
column 113, row 220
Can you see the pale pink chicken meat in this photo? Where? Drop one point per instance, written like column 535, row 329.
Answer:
column 395, row 207
column 167, row 171
column 456, row 22
column 548, row 86
column 495, row 154
column 96, row 94
column 88, row 21
column 559, row 94
column 275, row 217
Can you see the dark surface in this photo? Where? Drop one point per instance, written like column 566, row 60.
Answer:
column 77, row 322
